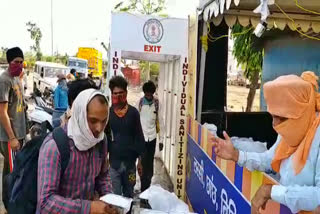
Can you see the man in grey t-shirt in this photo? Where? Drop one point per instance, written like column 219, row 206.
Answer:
column 12, row 111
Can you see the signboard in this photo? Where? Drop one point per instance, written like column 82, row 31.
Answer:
column 149, row 34
column 208, row 190
column 182, row 131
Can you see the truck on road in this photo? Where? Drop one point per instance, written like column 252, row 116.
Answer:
column 80, row 65
column 94, row 60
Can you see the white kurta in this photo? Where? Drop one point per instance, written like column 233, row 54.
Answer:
column 297, row 192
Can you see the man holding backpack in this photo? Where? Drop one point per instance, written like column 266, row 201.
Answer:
column 149, row 115
column 71, row 188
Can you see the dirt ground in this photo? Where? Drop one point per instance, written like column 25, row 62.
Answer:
column 237, row 99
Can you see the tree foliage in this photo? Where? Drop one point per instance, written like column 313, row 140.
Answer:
column 144, row 66
column 147, row 7
column 3, row 51
column 245, row 52
column 30, row 58
column 248, row 56
column 36, row 36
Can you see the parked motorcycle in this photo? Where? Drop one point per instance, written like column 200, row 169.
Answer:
column 40, row 119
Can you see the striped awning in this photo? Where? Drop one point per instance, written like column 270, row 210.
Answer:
column 241, row 11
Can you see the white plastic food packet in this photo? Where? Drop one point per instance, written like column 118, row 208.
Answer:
column 118, row 201
column 164, row 201
column 248, row 145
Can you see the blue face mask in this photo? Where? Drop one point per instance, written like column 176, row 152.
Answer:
column 147, row 101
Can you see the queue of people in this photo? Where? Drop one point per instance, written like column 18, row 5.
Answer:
column 110, row 164
column 107, row 146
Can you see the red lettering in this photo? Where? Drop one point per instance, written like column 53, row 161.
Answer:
column 152, row 48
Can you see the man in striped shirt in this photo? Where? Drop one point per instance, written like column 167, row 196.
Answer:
column 87, row 175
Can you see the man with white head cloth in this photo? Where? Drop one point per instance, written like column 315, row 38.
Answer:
column 74, row 190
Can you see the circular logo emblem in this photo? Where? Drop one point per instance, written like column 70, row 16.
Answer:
column 153, row 31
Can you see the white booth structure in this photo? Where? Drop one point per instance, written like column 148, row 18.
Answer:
column 163, row 40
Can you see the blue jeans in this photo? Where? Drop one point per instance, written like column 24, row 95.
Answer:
column 123, row 180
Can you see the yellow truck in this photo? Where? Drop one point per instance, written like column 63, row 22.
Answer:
column 94, row 58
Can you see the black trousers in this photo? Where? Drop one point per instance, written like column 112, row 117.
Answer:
column 147, row 164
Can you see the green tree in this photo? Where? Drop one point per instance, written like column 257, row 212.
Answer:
column 248, row 56
column 154, row 69
column 63, row 59
column 3, row 51
column 147, row 7
column 36, row 36
column 30, row 59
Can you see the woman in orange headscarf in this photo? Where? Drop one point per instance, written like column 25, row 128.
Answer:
column 294, row 104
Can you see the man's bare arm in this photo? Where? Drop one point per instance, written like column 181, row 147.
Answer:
column 5, row 120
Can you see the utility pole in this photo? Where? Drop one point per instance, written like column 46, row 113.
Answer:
column 52, row 27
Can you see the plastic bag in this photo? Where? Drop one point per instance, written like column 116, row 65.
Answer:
column 146, row 211
column 162, row 200
column 212, row 128
column 248, row 145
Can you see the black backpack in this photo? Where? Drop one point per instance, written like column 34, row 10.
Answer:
column 22, row 182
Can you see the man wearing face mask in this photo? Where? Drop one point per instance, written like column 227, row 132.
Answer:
column 12, row 110
column 150, row 121
column 127, row 143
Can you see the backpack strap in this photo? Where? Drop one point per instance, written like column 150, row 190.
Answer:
column 140, row 104
column 62, row 141
column 45, row 126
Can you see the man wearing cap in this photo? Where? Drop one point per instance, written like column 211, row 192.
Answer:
column 12, row 111
column 60, row 99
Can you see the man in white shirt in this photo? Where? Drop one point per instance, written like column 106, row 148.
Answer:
column 148, row 107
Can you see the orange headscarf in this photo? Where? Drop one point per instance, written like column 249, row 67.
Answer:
column 297, row 99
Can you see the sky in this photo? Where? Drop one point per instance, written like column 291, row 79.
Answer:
column 76, row 23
